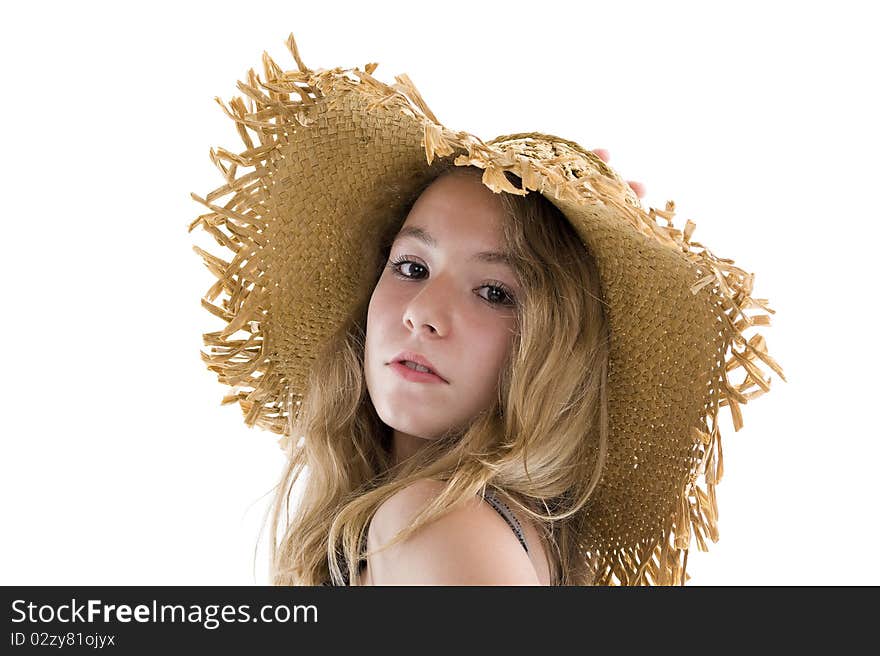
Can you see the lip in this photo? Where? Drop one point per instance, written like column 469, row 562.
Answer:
column 411, row 374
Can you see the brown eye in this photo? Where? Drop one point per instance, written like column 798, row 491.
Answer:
column 397, row 265
column 499, row 294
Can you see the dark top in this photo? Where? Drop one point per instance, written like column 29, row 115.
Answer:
column 503, row 510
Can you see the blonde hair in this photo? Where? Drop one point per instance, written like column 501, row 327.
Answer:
column 542, row 441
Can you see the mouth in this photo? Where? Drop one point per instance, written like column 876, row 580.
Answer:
column 415, row 366
column 411, row 371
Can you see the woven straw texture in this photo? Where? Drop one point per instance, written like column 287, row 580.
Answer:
column 304, row 226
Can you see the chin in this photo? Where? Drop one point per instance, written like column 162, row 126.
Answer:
column 412, row 425
column 412, row 428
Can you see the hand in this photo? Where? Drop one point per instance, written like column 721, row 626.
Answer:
column 637, row 187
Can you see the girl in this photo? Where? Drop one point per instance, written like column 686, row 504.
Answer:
column 488, row 363
column 438, row 300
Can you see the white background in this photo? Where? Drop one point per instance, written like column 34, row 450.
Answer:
column 119, row 466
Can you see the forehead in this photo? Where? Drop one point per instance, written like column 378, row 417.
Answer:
column 456, row 205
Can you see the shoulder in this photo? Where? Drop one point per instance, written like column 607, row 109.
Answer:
column 471, row 545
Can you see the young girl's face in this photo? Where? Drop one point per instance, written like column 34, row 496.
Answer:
column 440, row 298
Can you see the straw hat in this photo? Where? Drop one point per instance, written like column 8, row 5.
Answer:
column 314, row 190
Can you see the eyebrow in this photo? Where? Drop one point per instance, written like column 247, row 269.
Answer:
column 492, row 257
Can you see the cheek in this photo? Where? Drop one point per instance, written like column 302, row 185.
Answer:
column 380, row 316
column 379, row 307
column 490, row 347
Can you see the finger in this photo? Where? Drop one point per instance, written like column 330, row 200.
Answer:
column 603, row 154
column 637, row 187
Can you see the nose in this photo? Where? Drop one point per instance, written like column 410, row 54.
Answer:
column 428, row 310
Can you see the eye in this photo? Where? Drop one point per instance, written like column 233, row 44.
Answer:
column 499, row 293
column 396, row 266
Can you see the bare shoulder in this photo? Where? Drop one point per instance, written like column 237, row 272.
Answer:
column 471, row 545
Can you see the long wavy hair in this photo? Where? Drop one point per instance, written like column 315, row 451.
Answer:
column 542, row 441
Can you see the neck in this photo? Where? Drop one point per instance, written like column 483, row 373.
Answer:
column 403, row 446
